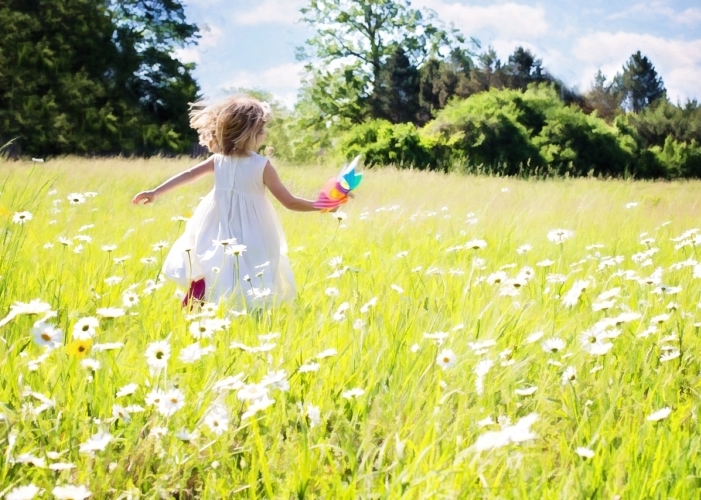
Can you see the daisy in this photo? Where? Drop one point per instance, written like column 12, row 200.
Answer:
column 91, row 364
column 277, row 380
column 585, row 453
column 353, row 393
column 397, row 288
column 23, row 492
column 76, row 198
column 534, row 337
column 553, row 345
column 85, row 328
column 109, row 248
column 309, row 367
column 70, row 492
column 235, row 250
column 97, row 442
column 127, row 390
column 313, row 414
column 327, row 353
column 159, row 246
column 130, row 299
column 475, row 244
column 659, row 414
column 217, row 421
column 559, row 236
column 523, row 249
column 526, row 392
column 446, row 359
column 669, row 356
column 257, row 406
column 192, row 353
column 569, row 376
column 231, row 383
column 201, row 329
column 22, row 217
column 110, row 312
column 172, row 401
column 158, row 354
column 154, row 397
column 332, row 292
column 109, row 346
column 47, row 335
column 59, row 466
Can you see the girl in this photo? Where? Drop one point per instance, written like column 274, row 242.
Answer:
column 234, row 234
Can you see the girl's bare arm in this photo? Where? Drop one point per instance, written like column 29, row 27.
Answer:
column 186, row 177
column 274, row 184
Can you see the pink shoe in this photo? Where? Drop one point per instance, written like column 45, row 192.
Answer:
column 196, row 293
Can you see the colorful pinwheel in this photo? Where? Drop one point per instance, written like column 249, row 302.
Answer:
column 337, row 189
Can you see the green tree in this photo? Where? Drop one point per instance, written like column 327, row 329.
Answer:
column 363, row 34
column 603, row 97
column 396, row 93
column 523, row 69
column 639, row 84
column 94, row 77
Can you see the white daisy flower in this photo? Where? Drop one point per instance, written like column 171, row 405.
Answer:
column 47, row 335
column 559, row 236
column 158, row 354
column 85, row 328
column 97, row 442
column 23, row 492
column 659, row 414
column 585, row 453
column 446, row 359
column 22, row 217
column 172, row 401
column 353, row 393
column 70, row 492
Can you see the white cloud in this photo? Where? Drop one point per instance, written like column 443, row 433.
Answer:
column 678, row 62
column 272, row 12
column 689, row 17
column 282, row 81
column 508, row 20
column 210, row 36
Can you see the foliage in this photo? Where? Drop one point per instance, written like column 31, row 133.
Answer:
column 362, row 35
column 95, row 77
column 381, row 142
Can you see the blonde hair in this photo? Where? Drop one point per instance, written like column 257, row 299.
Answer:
column 231, row 125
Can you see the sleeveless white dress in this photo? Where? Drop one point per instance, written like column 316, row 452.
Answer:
column 236, row 208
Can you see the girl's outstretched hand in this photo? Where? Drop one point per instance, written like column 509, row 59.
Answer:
column 145, row 196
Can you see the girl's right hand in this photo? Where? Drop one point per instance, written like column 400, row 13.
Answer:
column 145, row 196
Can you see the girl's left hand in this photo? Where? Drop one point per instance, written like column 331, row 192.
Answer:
column 145, row 196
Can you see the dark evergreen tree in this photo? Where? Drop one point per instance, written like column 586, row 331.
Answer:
column 396, row 93
column 639, row 83
column 523, row 68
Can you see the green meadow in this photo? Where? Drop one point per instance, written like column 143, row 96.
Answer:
column 453, row 337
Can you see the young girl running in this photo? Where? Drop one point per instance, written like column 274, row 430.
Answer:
column 233, row 245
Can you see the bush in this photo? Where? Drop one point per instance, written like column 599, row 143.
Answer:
column 383, row 143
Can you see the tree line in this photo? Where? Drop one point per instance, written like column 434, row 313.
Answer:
column 95, row 77
column 382, row 79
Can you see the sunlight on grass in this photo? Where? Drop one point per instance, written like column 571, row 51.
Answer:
column 447, row 341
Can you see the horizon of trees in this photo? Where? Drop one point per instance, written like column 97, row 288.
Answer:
column 100, row 78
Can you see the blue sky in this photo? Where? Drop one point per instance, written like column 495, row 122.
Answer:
column 252, row 43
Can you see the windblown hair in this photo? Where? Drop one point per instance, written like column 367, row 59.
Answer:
column 231, row 125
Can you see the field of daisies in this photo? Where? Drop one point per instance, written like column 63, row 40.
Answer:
column 453, row 337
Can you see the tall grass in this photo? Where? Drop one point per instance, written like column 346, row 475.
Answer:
column 414, row 430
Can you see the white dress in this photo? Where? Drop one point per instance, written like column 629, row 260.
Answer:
column 236, row 208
